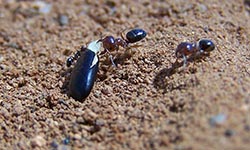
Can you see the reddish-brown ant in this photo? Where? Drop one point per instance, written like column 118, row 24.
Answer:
column 184, row 49
column 110, row 43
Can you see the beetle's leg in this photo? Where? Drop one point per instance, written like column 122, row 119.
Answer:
column 71, row 59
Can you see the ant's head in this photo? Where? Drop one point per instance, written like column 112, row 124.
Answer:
column 206, row 45
column 108, row 43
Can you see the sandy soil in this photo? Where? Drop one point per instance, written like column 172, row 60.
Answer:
column 144, row 103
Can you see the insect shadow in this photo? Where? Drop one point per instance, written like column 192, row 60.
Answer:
column 160, row 78
column 65, row 73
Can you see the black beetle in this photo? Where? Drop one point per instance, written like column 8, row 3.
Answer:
column 84, row 72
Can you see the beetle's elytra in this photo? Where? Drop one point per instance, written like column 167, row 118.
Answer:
column 84, row 72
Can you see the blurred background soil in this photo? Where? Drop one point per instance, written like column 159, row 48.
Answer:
column 141, row 104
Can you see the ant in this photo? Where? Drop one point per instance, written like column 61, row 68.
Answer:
column 110, row 43
column 184, row 49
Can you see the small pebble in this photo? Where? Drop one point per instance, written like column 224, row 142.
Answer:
column 63, row 20
column 247, row 128
column 218, row 119
column 54, row 144
column 13, row 45
column 202, row 8
column 17, row 109
column 229, row 133
column 42, row 7
column 77, row 136
column 66, row 141
column 100, row 122
column 97, row 94
column 245, row 107
column 4, row 112
column 38, row 141
column 247, row 2
column 63, row 147
column 1, row 58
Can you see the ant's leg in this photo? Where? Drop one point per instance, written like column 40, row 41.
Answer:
column 111, row 58
column 184, row 61
column 175, row 64
column 193, row 64
column 192, row 58
column 103, row 52
column 122, row 35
